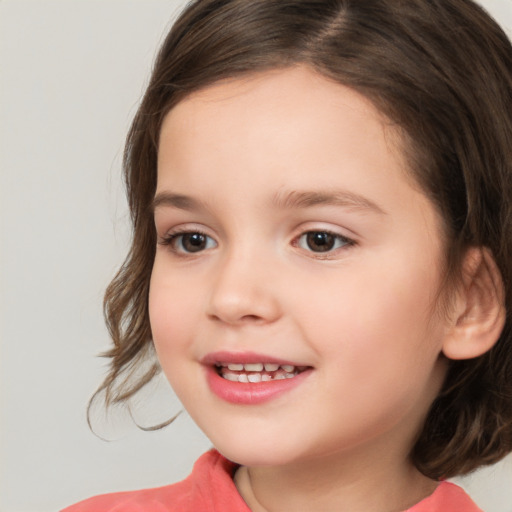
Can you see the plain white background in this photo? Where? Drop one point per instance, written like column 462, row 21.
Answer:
column 71, row 75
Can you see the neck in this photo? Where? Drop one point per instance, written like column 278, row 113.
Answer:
column 334, row 483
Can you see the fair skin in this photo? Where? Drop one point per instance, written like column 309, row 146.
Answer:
column 289, row 227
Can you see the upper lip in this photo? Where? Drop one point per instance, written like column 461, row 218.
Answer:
column 214, row 358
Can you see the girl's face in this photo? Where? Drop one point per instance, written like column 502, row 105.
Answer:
column 291, row 237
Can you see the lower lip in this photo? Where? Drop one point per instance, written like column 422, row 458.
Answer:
column 251, row 393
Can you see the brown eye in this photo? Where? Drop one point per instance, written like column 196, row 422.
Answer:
column 187, row 243
column 193, row 242
column 322, row 241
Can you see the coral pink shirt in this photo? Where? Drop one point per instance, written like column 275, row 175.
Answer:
column 210, row 488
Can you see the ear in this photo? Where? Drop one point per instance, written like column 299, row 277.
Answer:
column 479, row 314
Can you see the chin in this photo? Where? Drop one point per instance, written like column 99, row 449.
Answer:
column 253, row 458
column 247, row 452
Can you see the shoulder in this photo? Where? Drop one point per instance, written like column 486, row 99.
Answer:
column 447, row 497
column 210, row 483
column 159, row 499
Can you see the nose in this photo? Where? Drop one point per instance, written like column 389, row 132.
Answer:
column 244, row 292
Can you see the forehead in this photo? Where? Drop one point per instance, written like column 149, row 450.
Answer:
column 279, row 88
column 265, row 108
column 274, row 84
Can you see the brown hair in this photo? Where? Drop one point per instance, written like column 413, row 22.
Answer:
column 441, row 70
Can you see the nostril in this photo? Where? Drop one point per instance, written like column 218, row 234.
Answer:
column 251, row 318
column 242, row 319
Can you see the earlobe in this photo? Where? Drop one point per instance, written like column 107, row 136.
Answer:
column 480, row 311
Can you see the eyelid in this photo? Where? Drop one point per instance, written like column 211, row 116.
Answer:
column 348, row 242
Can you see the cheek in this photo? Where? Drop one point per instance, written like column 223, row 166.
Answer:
column 171, row 312
column 172, row 319
column 382, row 343
column 376, row 315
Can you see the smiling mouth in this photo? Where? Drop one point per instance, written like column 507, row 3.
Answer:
column 257, row 372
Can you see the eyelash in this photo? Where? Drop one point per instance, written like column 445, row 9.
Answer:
column 170, row 240
column 343, row 241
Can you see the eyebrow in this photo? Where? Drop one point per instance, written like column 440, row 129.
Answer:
column 289, row 200
column 308, row 199
column 179, row 201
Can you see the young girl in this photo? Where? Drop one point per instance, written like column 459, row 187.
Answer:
column 321, row 196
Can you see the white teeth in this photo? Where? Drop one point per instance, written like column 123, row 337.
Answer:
column 257, row 367
column 253, row 367
column 255, row 372
column 256, row 376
